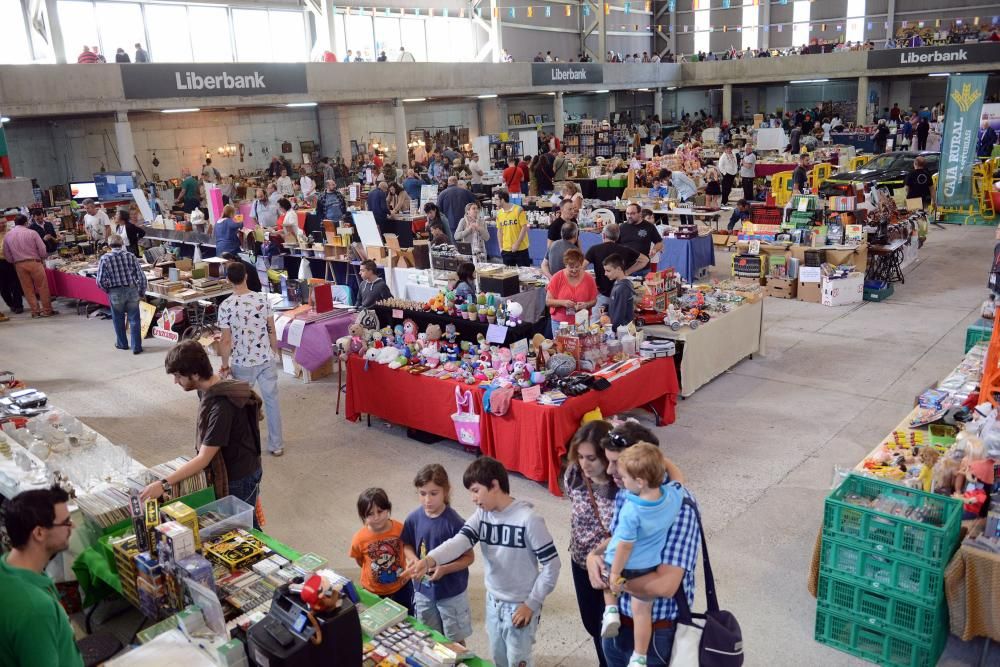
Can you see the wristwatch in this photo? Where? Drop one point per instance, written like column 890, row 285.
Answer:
column 167, row 488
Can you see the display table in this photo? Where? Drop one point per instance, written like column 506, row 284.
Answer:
column 538, row 243
column 715, row 347
column 75, row 286
column 687, row 256
column 530, row 439
column 315, row 348
column 467, row 329
column 771, row 168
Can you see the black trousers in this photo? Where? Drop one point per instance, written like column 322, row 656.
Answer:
column 747, row 183
column 591, row 603
column 516, row 258
column 921, row 142
column 727, row 186
column 10, row 286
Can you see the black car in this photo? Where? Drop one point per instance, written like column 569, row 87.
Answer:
column 887, row 170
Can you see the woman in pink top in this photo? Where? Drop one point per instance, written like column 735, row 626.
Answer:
column 571, row 289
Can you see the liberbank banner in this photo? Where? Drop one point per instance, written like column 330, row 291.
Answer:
column 985, row 53
column 958, row 145
column 149, row 80
column 548, row 74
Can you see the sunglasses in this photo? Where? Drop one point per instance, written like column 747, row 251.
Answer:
column 619, row 441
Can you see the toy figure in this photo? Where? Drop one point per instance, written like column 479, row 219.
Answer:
column 358, row 334
column 928, row 457
column 450, row 333
column 410, row 331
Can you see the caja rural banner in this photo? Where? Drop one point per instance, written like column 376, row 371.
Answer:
column 958, row 146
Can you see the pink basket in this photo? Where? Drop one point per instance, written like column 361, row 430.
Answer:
column 466, row 420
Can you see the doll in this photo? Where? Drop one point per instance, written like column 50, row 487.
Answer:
column 928, row 457
column 358, row 343
column 410, row 331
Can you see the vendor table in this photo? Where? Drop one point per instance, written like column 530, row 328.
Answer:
column 531, row 438
column 769, row 168
column 713, row 217
column 715, row 347
column 532, row 300
column 75, row 286
column 689, row 257
column 588, row 187
column 862, row 141
column 467, row 329
column 538, row 243
column 316, row 346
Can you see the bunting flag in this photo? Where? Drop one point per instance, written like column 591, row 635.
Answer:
column 513, row 12
column 569, row 11
column 607, row 8
column 725, row 4
column 628, row 8
column 531, row 11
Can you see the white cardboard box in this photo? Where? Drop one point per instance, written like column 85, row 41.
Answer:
column 844, row 291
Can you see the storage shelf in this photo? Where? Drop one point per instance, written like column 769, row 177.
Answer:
column 530, row 126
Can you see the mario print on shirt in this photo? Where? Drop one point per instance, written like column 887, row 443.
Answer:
column 383, row 559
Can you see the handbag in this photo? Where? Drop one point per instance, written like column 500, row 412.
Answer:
column 712, row 639
column 594, row 506
column 466, row 420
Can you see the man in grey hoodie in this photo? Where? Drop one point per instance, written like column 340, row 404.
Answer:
column 521, row 561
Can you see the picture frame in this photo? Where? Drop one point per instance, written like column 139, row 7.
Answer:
column 531, row 119
column 307, row 146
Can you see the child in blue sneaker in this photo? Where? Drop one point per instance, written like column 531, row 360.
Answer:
column 634, row 550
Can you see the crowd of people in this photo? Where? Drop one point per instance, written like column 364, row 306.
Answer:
column 91, row 55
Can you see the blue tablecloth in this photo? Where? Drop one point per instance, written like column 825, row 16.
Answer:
column 860, row 140
column 687, row 256
column 537, row 243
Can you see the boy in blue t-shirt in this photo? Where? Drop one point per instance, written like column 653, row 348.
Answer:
column 440, row 599
column 650, row 508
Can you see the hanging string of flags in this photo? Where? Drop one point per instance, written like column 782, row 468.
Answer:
column 629, row 8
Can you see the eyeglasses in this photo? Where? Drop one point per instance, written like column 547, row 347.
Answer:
column 68, row 523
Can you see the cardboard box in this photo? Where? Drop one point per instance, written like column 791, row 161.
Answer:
column 810, row 292
column 782, row 288
column 844, row 291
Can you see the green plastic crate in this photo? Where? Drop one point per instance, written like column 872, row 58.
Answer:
column 856, row 638
column 879, row 294
column 942, row 435
column 881, row 573
column 979, row 331
column 931, row 541
column 880, row 611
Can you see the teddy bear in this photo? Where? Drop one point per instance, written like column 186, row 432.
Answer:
column 358, row 342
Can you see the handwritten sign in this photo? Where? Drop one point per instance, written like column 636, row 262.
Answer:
column 165, row 334
column 531, row 394
column 496, row 333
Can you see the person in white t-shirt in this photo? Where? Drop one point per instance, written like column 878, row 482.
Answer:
column 96, row 221
column 306, row 184
column 250, row 347
column 284, row 183
column 405, row 56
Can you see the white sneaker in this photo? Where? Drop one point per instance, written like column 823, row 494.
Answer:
column 610, row 623
column 637, row 661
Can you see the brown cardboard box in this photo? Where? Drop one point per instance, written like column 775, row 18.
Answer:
column 750, row 282
column 782, row 288
column 811, row 292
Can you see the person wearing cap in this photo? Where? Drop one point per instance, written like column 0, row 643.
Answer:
column 120, row 275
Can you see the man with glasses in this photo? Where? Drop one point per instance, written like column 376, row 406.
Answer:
column 34, row 628
column 678, row 560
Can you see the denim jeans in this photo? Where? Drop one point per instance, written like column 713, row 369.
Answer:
column 511, row 647
column 618, row 650
column 451, row 616
column 125, row 301
column 247, row 489
column 265, row 379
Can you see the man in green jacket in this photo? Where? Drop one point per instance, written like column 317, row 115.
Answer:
column 34, row 628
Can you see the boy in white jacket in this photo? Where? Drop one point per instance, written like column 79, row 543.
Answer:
column 515, row 545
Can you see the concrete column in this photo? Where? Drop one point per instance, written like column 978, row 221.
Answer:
column 727, row 102
column 123, row 137
column 890, row 18
column 496, row 31
column 329, row 14
column 344, row 130
column 673, row 32
column 602, row 33
column 611, row 103
column 862, row 100
column 764, row 30
column 557, row 114
column 399, row 114
column 55, row 28
column 658, row 103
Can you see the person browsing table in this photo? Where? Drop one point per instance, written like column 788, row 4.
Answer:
column 372, row 288
column 570, row 290
column 120, row 275
column 473, row 231
column 95, row 221
column 25, row 250
column 686, row 190
column 227, row 232
column 596, row 254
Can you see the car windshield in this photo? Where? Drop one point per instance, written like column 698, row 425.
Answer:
column 890, row 161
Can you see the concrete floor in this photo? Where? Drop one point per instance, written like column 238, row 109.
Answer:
column 758, row 445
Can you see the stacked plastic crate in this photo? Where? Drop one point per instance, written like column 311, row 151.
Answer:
column 881, row 580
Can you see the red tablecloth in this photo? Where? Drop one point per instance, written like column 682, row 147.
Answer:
column 531, row 438
column 760, row 170
column 74, row 286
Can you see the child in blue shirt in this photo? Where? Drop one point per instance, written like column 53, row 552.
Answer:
column 658, row 190
column 440, row 599
column 650, row 508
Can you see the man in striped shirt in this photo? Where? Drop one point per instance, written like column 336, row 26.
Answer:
column 87, row 57
column 120, row 275
column 24, row 249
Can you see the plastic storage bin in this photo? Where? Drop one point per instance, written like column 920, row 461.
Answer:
column 930, row 541
column 979, row 331
column 234, row 512
column 877, row 610
column 903, row 580
column 856, row 638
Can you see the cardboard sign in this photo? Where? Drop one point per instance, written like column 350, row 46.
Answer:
column 147, row 312
column 531, row 394
column 810, row 274
column 397, row 314
column 165, row 334
column 496, row 333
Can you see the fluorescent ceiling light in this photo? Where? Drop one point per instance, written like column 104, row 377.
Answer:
column 672, row 88
column 643, row 90
column 4, row 119
column 602, row 91
column 180, row 110
column 940, row 74
column 415, row 99
column 301, row 104
column 487, row 97
column 553, row 94
column 810, row 81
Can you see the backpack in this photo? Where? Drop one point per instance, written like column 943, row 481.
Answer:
column 712, row 639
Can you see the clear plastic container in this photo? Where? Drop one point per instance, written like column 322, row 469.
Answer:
column 232, row 513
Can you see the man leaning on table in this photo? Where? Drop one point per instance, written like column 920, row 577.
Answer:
column 120, row 275
column 25, row 250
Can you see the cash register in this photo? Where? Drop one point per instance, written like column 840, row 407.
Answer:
column 292, row 635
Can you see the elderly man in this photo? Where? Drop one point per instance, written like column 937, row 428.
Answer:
column 569, row 238
column 330, row 205
column 34, row 628
column 24, row 249
column 378, row 204
column 596, row 254
column 188, row 198
column 452, row 202
column 120, row 275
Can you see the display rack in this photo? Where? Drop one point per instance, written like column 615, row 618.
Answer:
column 501, row 151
